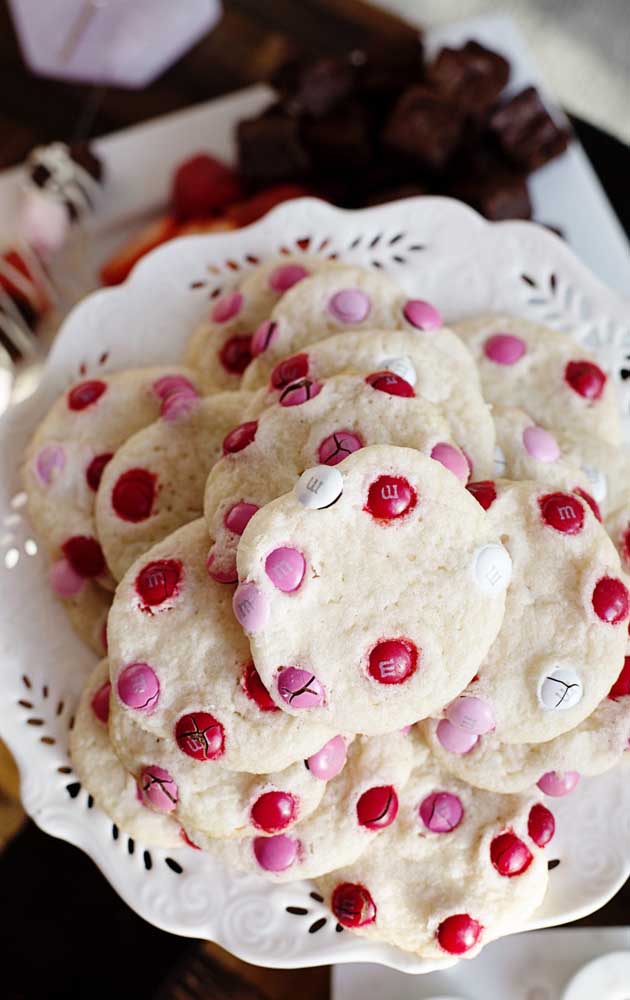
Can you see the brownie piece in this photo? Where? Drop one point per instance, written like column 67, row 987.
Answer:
column 395, row 194
column 526, row 132
column 497, row 192
column 424, row 126
column 383, row 71
column 270, row 147
column 472, row 77
column 316, row 88
column 339, row 140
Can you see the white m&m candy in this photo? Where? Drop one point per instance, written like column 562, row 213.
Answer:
column 319, row 487
column 492, row 568
column 560, row 689
column 401, row 366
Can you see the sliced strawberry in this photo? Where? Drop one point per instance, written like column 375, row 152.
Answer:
column 219, row 224
column 120, row 264
column 21, row 283
column 245, row 212
column 202, row 185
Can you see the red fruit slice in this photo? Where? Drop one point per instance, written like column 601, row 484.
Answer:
column 201, row 186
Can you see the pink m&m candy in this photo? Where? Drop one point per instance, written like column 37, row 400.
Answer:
column 441, row 812
column 504, row 348
column 264, row 336
column 540, row 444
column 350, row 305
column 239, row 437
column 276, row 854
column 558, row 783
column 300, row 688
column 100, row 702
column 472, row 715
column 286, row 277
column 251, row 607
column 285, row 567
column 452, row 459
column 139, row 687
column 64, row 580
column 227, row 307
column 177, row 405
column 158, row 789
column 453, row 739
column 173, row 385
column 328, row 762
column 49, row 462
column 238, row 517
column 300, row 392
column 337, row 446
column 422, row 315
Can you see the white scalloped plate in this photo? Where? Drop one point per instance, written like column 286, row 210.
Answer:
column 436, row 249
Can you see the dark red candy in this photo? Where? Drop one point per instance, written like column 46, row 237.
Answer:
column 157, row 581
column 509, row 855
column 85, row 394
column 393, row 661
column 133, row 495
column 390, row 383
column 610, row 600
column 585, row 378
column 289, row 370
column 541, row 825
column 484, row 492
column 238, row 438
column 378, row 807
column 274, row 811
column 591, row 501
column 459, row 933
column 236, row 354
column 84, row 555
column 390, row 497
column 200, row 735
column 563, row 512
column 353, row 905
column 94, row 471
column 256, row 690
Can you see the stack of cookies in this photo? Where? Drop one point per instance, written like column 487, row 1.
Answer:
column 359, row 612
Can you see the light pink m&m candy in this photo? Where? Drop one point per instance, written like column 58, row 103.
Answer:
column 227, row 307
column 540, row 444
column 286, row 277
column 264, row 336
column 173, row 385
column 422, row 315
column 453, row 739
column 441, row 812
column 178, row 404
column 251, row 607
column 64, row 580
column 504, row 348
column 139, row 687
column 472, row 715
column 158, row 789
column 49, row 462
column 558, row 783
column 452, row 459
column 350, row 305
column 275, row 854
column 285, row 568
column 328, row 762
column 300, row 688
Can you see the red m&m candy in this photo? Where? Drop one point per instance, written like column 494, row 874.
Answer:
column 94, row 471
column 238, row 438
column 563, row 512
column 236, row 354
column 509, row 855
column 393, row 661
column 541, row 825
column 85, row 394
column 256, row 690
column 353, row 905
column 289, row 370
column 610, row 600
column 484, row 492
column 274, row 811
column 390, row 383
column 586, row 379
column 200, row 735
column 459, row 933
column 390, row 497
column 158, row 581
column 84, row 555
column 133, row 495
column 378, row 807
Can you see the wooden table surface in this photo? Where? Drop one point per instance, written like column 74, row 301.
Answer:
column 66, row 933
